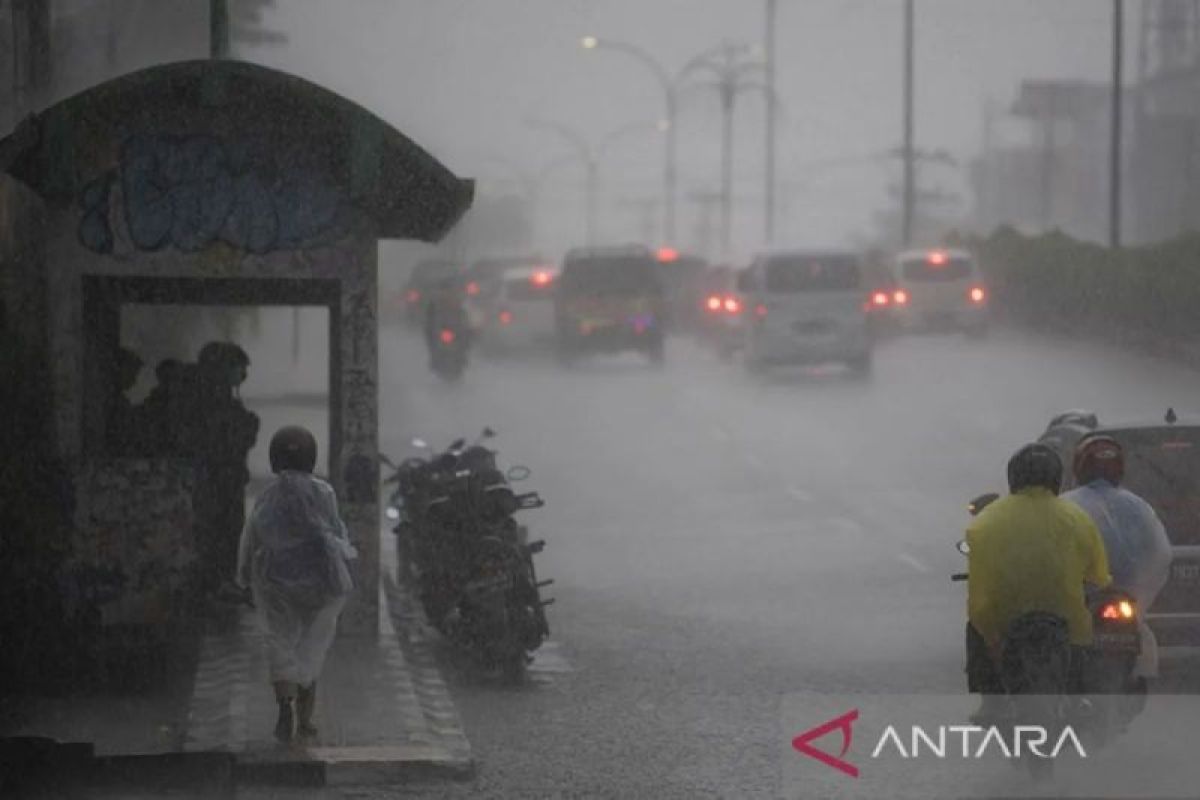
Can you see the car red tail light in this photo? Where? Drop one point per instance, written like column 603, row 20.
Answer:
column 448, row 336
column 412, row 295
column 900, row 298
column 472, row 288
column 506, row 317
column 733, row 305
column 713, row 303
column 880, row 299
column 977, row 295
column 760, row 311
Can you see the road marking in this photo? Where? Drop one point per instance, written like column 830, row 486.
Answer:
column 796, row 493
column 913, row 562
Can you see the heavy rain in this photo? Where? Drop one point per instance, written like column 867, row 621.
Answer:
column 599, row 398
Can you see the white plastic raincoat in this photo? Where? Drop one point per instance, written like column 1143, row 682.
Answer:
column 1139, row 552
column 293, row 555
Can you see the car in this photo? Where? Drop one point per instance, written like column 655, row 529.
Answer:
column 682, row 276
column 522, row 314
column 422, row 278
column 1162, row 466
column 724, row 310
column 482, row 282
column 805, row 307
column 609, row 299
column 939, row 290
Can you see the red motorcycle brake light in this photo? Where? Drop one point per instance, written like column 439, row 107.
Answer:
column 448, row 336
column 1118, row 610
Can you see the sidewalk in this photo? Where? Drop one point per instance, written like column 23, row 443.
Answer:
column 384, row 714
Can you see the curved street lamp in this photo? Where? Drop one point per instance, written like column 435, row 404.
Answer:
column 669, row 85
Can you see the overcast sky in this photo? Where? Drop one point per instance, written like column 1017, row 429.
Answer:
column 461, row 77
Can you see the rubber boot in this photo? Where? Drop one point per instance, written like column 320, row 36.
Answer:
column 306, row 704
column 285, row 696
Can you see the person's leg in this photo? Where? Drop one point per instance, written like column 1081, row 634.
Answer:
column 282, row 630
column 314, row 645
column 982, row 677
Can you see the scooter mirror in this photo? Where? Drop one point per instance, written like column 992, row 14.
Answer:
column 963, row 547
column 980, row 503
column 519, row 473
column 420, row 444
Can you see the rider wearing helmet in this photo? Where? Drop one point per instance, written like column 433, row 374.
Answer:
column 1139, row 551
column 293, row 556
column 1029, row 551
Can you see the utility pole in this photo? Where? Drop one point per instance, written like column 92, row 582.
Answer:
column 909, row 167
column 1114, row 181
column 218, row 21
column 769, row 40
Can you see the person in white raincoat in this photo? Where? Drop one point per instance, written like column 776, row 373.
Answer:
column 1139, row 552
column 293, row 555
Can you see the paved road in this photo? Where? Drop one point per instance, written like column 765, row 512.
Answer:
column 720, row 541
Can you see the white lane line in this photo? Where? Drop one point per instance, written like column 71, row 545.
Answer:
column 913, row 562
column 800, row 495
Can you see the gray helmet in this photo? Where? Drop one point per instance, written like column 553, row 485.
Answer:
column 293, row 448
column 1035, row 465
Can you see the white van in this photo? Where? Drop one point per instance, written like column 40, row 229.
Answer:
column 939, row 290
column 805, row 307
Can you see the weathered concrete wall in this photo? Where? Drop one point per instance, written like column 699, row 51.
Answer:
column 134, row 539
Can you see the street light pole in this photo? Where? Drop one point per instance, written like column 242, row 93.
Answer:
column 670, row 97
column 769, row 209
column 909, row 165
column 1114, row 167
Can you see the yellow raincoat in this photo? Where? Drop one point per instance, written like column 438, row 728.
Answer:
column 1032, row 551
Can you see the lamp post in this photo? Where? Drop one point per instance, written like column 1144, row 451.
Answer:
column 671, row 106
column 734, row 71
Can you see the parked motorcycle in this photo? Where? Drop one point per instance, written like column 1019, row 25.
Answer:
column 470, row 560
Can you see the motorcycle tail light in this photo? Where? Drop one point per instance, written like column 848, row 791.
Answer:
column 506, row 317
column 977, row 295
column 1117, row 610
column 448, row 336
column 472, row 288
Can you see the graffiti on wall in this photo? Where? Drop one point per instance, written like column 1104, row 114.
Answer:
column 189, row 192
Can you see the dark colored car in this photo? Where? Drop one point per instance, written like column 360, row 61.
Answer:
column 1162, row 466
column 610, row 300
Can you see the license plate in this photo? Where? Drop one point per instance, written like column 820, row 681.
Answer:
column 1185, row 572
column 811, row 328
column 1118, row 642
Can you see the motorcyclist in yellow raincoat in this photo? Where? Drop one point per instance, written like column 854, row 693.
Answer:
column 1029, row 551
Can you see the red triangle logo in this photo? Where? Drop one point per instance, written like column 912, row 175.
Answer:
column 803, row 742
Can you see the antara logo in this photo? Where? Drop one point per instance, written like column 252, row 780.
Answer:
column 973, row 742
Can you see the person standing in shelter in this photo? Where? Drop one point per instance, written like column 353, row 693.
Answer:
column 294, row 555
column 222, row 433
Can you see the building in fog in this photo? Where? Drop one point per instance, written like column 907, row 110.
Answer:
column 1058, row 177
